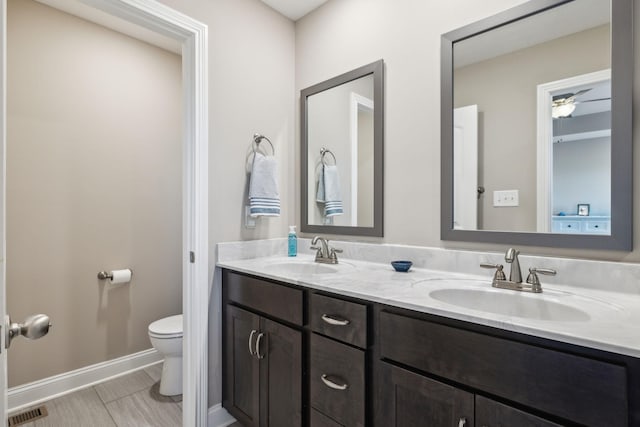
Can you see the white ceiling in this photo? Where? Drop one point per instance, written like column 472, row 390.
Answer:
column 294, row 9
column 558, row 22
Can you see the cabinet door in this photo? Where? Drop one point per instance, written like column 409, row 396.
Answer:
column 406, row 399
column 490, row 413
column 280, row 376
column 241, row 368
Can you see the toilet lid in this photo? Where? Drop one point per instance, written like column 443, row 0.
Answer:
column 171, row 325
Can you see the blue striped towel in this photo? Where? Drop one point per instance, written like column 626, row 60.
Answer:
column 329, row 190
column 264, row 198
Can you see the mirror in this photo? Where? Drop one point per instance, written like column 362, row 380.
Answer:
column 536, row 126
column 341, row 163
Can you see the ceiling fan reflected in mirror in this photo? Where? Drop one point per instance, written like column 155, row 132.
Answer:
column 564, row 105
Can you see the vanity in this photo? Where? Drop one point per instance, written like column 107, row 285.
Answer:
column 358, row 344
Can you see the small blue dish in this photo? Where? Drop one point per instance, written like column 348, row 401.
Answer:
column 402, row 266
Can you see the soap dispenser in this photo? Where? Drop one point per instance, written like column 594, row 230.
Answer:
column 293, row 241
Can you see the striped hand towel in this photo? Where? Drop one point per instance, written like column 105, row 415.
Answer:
column 329, row 190
column 264, row 198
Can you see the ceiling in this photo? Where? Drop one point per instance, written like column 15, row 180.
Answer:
column 294, row 9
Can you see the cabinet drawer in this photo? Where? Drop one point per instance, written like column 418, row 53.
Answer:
column 596, row 227
column 277, row 300
column 342, row 320
column 562, row 226
column 332, row 367
column 490, row 413
column 579, row 389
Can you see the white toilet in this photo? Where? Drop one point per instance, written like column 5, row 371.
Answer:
column 166, row 337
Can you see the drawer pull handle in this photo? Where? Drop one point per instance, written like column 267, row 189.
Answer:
column 253, row 331
column 462, row 422
column 260, row 356
column 333, row 321
column 325, row 379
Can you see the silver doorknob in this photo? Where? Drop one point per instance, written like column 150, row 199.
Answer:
column 33, row 327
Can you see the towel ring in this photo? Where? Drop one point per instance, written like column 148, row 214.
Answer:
column 323, row 152
column 257, row 139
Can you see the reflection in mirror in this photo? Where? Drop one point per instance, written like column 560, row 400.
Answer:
column 536, row 109
column 497, row 73
column 342, row 154
column 340, row 158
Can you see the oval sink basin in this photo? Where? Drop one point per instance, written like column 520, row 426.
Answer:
column 511, row 303
column 302, row 268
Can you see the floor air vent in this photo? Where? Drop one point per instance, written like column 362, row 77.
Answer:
column 27, row 416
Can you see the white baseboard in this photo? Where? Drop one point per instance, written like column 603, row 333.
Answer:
column 26, row 395
column 219, row 417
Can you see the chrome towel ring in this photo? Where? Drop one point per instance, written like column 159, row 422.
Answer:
column 323, row 153
column 257, row 139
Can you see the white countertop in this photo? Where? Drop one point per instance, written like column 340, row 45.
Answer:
column 614, row 317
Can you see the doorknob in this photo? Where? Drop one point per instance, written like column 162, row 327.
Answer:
column 33, row 327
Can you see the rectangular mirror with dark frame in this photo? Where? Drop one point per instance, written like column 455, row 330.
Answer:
column 536, row 113
column 341, row 153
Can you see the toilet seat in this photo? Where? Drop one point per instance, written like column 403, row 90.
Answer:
column 167, row 328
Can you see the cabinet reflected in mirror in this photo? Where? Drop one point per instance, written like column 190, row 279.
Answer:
column 342, row 153
column 536, row 122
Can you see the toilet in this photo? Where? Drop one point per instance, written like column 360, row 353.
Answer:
column 166, row 337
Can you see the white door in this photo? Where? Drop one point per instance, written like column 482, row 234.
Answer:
column 465, row 168
column 3, row 132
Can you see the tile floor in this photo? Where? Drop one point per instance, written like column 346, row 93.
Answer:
column 130, row 400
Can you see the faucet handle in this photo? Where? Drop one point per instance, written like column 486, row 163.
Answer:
column 533, row 279
column 499, row 275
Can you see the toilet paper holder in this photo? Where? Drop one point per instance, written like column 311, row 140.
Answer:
column 104, row 275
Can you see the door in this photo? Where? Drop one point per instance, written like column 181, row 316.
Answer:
column 465, row 168
column 280, row 375
column 242, row 366
column 405, row 399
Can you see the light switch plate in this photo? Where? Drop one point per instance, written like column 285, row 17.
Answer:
column 506, row 198
column 249, row 221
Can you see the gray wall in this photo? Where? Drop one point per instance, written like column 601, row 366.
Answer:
column 582, row 174
column 94, row 180
column 504, row 88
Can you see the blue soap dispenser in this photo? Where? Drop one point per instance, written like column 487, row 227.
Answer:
column 293, row 241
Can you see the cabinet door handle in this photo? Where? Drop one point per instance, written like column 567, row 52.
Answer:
column 462, row 422
column 253, row 331
column 333, row 321
column 325, row 379
column 260, row 356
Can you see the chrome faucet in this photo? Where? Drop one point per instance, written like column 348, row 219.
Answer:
column 515, row 275
column 324, row 253
column 511, row 257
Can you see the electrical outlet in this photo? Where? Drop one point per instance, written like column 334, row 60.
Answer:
column 506, row 198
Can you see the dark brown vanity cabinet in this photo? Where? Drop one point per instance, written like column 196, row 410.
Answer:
column 262, row 362
column 565, row 386
column 293, row 356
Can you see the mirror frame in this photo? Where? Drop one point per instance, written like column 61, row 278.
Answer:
column 377, row 69
column 622, row 57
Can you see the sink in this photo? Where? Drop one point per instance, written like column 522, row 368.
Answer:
column 302, row 268
column 511, row 303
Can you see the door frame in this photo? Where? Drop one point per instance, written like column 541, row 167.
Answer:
column 193, row 36
column 544, row 149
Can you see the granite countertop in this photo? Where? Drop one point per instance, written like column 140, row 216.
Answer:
column 605, row 320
